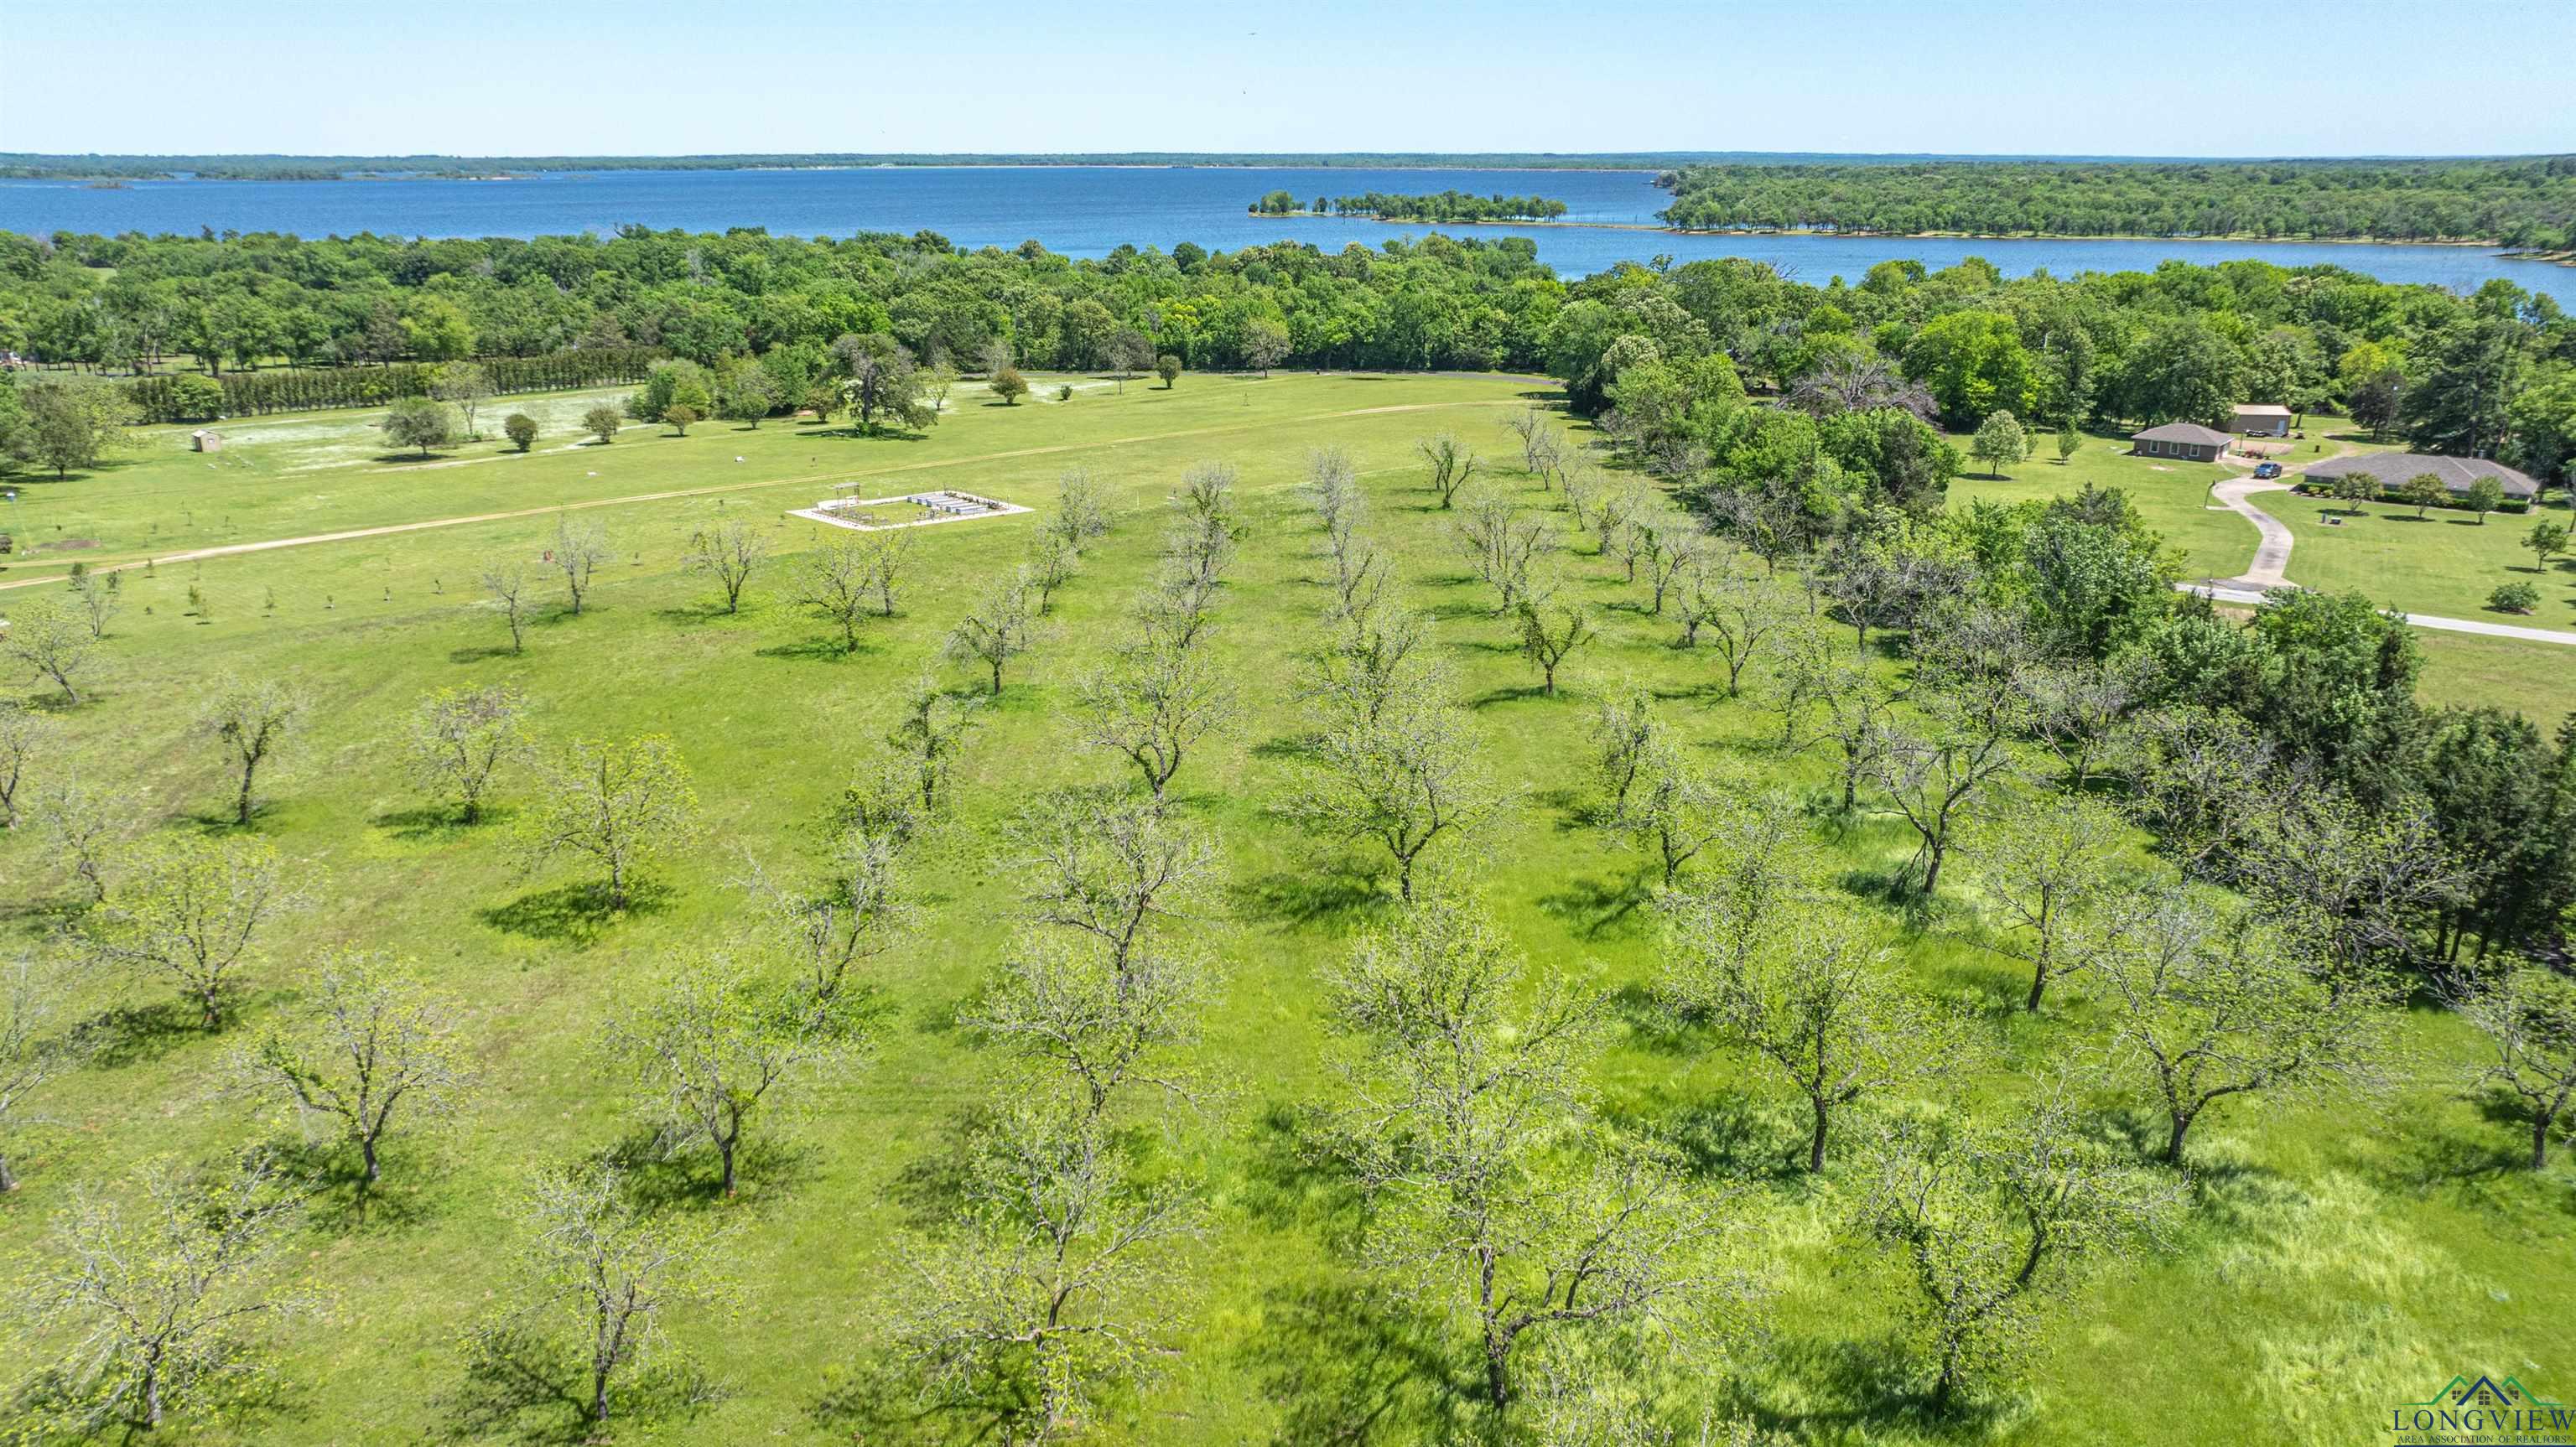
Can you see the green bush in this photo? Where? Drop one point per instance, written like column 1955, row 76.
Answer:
column 422, row 423
column 2514, row 598
column 195, row 399
column 521, row 429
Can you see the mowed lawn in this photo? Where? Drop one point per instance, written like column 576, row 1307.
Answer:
column 2444, row 564
column 2338, row 1258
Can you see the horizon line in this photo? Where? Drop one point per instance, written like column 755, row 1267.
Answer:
column 1223, row 156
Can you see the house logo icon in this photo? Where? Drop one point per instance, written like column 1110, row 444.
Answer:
column 2484, row 1410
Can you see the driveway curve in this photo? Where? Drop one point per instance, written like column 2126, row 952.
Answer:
column 2272, row 555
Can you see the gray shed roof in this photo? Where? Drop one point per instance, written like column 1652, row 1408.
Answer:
column 2394, row 468
column 2184, row 432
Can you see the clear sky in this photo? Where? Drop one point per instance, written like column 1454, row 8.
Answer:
column 645, row 77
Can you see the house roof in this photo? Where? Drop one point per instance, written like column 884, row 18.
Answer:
column 2260, row 409
column 2393, row 468
column 2183, row 432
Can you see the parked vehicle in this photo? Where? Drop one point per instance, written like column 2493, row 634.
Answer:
column 2267, row 469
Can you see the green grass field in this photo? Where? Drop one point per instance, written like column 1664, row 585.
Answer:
column 2444, row 564
column 2336, row 1259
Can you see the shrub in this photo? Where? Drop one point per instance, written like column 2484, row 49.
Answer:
column 602, row 422
column 422, row 423
column 195, row 399
column 1010, row 386
column 2514, row 598
column 521, row 429
column 679, row 415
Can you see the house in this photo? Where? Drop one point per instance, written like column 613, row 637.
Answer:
column 2392, row 470
column 206, row 439
column 2188, row 441
column 2256, row 419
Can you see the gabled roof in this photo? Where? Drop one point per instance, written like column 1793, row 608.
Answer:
column 2184, row 432
column 2394, row 468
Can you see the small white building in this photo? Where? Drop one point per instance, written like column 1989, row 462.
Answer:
column 205, row 439
column 2260, row 419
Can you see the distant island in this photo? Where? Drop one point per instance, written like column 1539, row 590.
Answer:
column 2525, row 202
column 1444, row 207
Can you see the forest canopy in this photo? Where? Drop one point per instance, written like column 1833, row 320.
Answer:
column 2491, row 374
column 2524, row 201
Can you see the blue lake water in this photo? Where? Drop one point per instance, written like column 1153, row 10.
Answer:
column 1089, row 210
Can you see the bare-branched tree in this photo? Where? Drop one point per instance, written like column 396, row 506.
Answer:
column 728, row 552
column 461, row 738
column 1452, row 465
column 369, row 1045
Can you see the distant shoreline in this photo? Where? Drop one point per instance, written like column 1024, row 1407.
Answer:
column 2561, row 258
column 92, row 166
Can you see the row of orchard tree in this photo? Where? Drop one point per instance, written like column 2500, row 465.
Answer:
column 193, row 397
column 2018, row 690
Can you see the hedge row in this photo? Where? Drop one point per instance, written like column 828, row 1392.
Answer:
column 306, row 389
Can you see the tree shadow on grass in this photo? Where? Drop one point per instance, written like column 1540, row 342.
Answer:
column 1574, row 812
column 1291, row 1183
column 1868, row 1388
column 135, row 1034
column 1300, row 747
column 874, row 1402
column 481, row 653
column 342, row 1201
column 436, row 822
column 1893, row 888
column 2489, row 1170
column 1329, row 892
column 521, row 1385
column 711, row 610
column 821, row 648
column 2479, row 1169
column 692, row 1178
column 1351, row 1363
column 1525, row 694
column 933, row 1189
column 1596, row 908
column 1461, row 611
column 573, row 914
column 235, row 1407
column 1655, row 1022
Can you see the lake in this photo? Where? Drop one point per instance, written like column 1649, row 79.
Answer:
column 1087, row 211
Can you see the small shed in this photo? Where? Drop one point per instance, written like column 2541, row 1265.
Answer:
column 205, row 439
column 2188, row 441
column 2260, row 419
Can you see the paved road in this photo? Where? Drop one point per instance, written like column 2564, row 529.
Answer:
column 2272, row 560
column 2231, row 591
column 2272, row 555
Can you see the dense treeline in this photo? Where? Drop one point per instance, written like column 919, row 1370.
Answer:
column 1666, row 354
column 1451, row 206
column 2493, row 374
column 2526, row 202
column 241, row 301
column 165, row 398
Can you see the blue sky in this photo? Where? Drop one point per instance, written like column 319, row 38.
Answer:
column 2187, row 77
